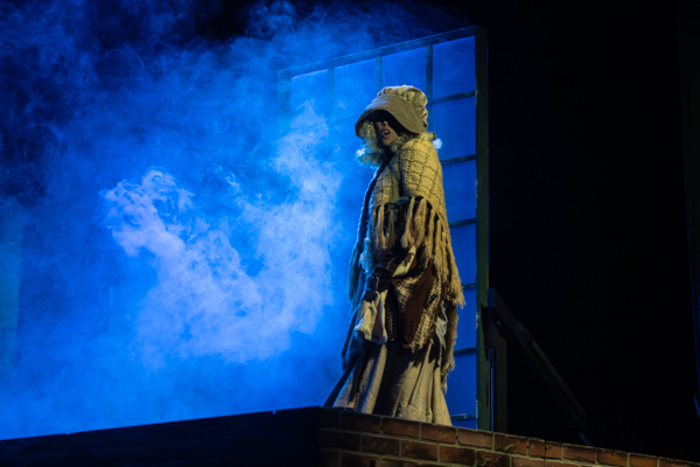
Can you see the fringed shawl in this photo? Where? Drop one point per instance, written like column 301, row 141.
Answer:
column 413, row 176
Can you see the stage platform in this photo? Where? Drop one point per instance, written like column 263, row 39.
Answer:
column 285, row 437
column 308, row 437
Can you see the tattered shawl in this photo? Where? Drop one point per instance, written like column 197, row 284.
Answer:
column 405, row 212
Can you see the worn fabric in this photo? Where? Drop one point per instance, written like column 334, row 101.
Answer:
column 405, row 291
column 393, row 381
column 407, row 210
column 403, row 112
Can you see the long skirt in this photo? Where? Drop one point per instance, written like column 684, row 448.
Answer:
column 390, row 380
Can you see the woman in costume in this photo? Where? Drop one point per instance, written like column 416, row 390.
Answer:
column 403, row 283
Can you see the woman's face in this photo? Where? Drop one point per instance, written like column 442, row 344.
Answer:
column 386, row 126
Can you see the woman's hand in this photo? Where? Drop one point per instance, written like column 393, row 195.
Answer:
column 378, row 282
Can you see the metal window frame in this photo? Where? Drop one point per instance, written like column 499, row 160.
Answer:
column 480, row 93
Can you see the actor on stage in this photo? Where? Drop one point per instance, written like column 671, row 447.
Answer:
column 403, row 283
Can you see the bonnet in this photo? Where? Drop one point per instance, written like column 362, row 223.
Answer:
column 405, row 103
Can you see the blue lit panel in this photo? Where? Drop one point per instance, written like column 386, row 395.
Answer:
column 453, row 67
column 309, row 92
column 455, row 124
column 344, row 142
column 351, row 87
column 405, row 68
column 460, row 190
column 461, row 386
column 466, row 337
column 354, row 84
column 355, row 180
column 471, row 423
column 463, row 245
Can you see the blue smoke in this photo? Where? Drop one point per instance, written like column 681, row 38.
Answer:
column 172, row 252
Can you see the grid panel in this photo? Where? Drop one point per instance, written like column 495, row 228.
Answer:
column 463, row 241
column 455, row 124
column 405, row 68
column 309, row 93
column 471, row 423
column 354, row 83
column 460, row 190
column 460, row 386
column 466, row 337
column 453, row 67
column 444, row 67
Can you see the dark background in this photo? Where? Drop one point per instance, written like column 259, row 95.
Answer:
column 588, row 230
column 588, row 243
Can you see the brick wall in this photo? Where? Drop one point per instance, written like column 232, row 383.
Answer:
column 349, row 439
column 306, row 437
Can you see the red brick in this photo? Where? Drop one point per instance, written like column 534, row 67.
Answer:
column 492, row 459
column 674, row 463
column 395, row 426
column 339, row 439
column 537, row 448
column 444, row 434
column 526, row 462
column 329, row 459
column 361, row 421
column 359, row 460
column 637, row 460
column 552, row 450
column 397, row 463
column 560, row 464
column 612, row 458
column 510, row 443
column 479, row 439
column 329, row 418
column 380, row 445
column 579, row 453
column 418, row 450
column 463, row 456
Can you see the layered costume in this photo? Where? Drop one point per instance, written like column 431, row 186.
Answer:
column 404, row 284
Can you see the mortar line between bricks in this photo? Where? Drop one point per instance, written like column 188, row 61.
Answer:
column 374, row 433
column 407, row 438
column 577, row 462
column 561, row 458
column 419, row 440
column 370, row 453
column 390, row 457
column 438, row 444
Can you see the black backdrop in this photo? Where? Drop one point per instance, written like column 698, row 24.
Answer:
column 587, row 229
